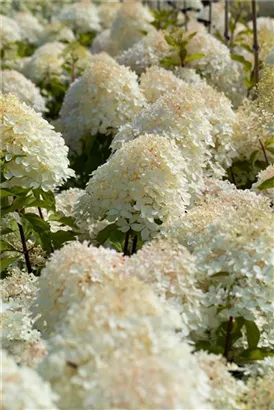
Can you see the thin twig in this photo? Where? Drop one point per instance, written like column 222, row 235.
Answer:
column 255, row 42
column 264, row 151
column 24, row 245
column 134, row 245
column 209, row 16
column 226, row 32
column 126, row 243
column 186, row 16
column 228, row 337
column 40, row 213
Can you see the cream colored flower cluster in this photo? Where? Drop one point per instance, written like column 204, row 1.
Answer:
column 55, row 31
column 10, row 31
column 45, row 63
column 180, row 117
column 267, row 174
column 23, row 388
column 217, row 66
column 149, row 51
column 140, row 187
column 68, row 276
column 34, row 154
column 131, row 22
column 107, row 11
column 156, row 81
column 81, row 17
column 171, row 271
column 13, row 82
column 18, row 335
column 225, row 388
column 125, row 328
column 239, row 248
column 29, row 25
column 104, row 98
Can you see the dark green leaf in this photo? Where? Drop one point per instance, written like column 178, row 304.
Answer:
column 4, row 263
column 60, row 237
column 252, row 333
column 105, row 233
column 267, row 184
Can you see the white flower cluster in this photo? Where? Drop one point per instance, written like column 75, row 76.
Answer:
column 23, row 388
column 125, row 328
column 55, row 31
column 68, row 276
column 181, row 117
column 13, row 82
column 81, row 17
column 251, row 128
column 239, row 248
column 217, row 66
column 10, row 31
column 267, row 174
column 107, row 12
column 35, row 155
column 220, row 198
column 66, row 200
column 104, row 98
column 30, row 26
column 140, row 186
column 17, row 333
column 189, row 75
column 45, row 63
column 132, row 22
column 149, row 51
column 225, row 389
column 260, row 392
column 171, row 271
column 157, row 81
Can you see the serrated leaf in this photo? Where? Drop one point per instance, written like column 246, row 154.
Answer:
column 267, row 184
column 252, row 333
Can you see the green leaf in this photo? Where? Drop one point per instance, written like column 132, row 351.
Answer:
column 37, row 223
column 4, row 246
column 4, row 193
column 269, row 142
column 60, row 237
column 64, row 220
column 170, row 62
column 6, row 231
column 253, row 334
column 193, row 57
column 247, row 64
column 267, row 184
column 255, row 354
column 219, row 275
column 4, row 263
column 105, row 233
column 270, row 149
